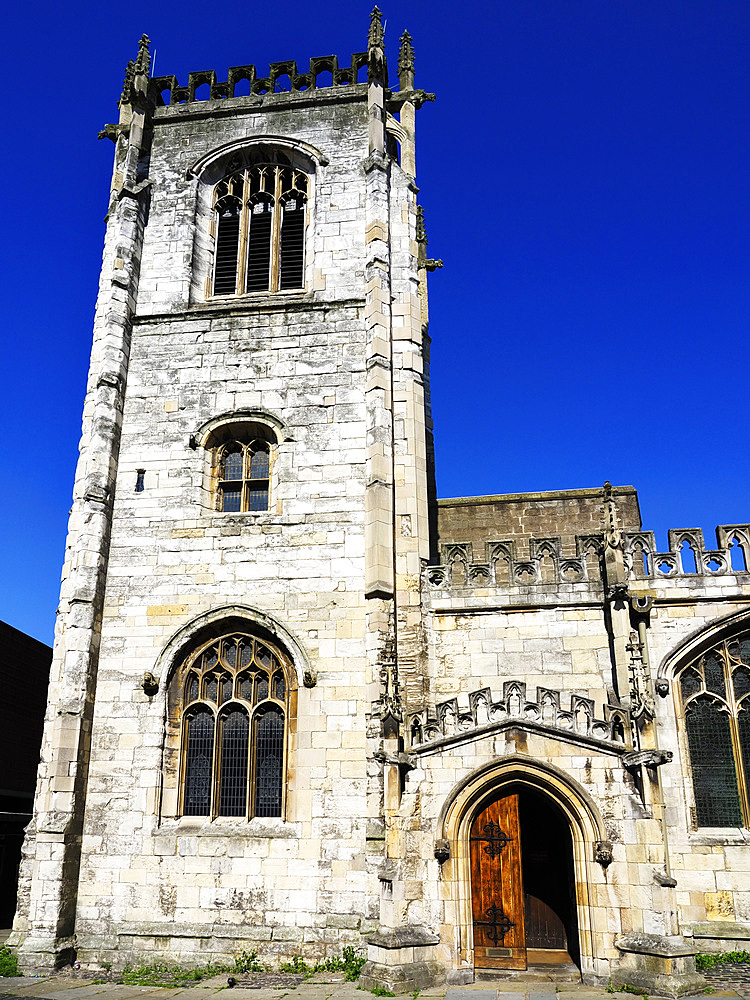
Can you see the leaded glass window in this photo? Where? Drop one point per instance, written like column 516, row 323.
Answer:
column 243, row 472
column 233, row 696
column 715, row 694
column 260, row 219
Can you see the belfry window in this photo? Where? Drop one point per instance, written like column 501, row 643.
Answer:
column 715, row 693
column 260, row 219
column 233, row 697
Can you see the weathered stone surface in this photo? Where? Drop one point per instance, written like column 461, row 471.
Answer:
column 435, row 655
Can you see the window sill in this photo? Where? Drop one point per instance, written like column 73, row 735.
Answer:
column 719, row 836
column 228, row 826
column 255, row 300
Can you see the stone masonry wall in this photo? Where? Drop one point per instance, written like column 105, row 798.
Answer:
column 299, row 884
column 521, row 516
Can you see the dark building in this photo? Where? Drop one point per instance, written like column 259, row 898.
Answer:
column 24, row 672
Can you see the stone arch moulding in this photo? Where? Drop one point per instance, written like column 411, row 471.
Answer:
column 204, row 432
column 701, row 639
column 218, row 621
column 203, row 628
column 587, row 830
column 212, row 158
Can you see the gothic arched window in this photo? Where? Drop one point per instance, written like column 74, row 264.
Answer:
column 243, row 471
column 233, row 700
column 715, row 692
column 260, row 218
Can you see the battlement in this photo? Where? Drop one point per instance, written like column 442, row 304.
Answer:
column 505, row 566
column 324, row 72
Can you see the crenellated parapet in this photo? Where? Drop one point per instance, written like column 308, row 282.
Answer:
column 687, row 555
column 282, row 76
column 448, row 719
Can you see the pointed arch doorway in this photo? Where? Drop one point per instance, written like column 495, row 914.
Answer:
column 523, row 897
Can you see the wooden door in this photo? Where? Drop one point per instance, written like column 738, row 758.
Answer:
column 496, row 887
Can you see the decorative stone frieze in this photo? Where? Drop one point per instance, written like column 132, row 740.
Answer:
column 448, row 719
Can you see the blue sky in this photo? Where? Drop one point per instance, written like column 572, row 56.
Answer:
column 584, row 178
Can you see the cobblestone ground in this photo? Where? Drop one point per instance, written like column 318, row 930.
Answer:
column 725, row 981
column 730, row 977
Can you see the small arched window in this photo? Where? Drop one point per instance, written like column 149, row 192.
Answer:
column 260, row 219
column 715, row 695
column 243, row 470
column 233, row 707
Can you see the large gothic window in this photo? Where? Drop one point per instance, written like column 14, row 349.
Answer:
column 260, row 219
column 715, row 692
column 232, row 697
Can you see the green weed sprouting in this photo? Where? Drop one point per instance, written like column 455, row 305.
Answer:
column 706, row 962
column 8, row 962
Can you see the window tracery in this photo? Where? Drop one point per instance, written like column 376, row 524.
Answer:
column 715, row 694
column 232, row 698
column 260, row 220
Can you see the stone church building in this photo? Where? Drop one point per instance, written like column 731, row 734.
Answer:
column 297, row 702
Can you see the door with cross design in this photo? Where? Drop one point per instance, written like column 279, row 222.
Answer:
column 496, row 886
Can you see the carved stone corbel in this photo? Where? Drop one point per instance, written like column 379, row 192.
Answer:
column 403, row 761
column 603, row 853
column 149, row 684
column 646, row 758
column 442, row 850
column 113, row 131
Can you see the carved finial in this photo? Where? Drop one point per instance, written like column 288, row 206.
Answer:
column 612, row 533
column 421, row 232
column 406, row 63
column 127, row 87
column 375, row 35
column 143, row 59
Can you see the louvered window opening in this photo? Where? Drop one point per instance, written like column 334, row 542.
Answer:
column 233, row 709
column 260, row 218
column 715, row 693
column 244, row 476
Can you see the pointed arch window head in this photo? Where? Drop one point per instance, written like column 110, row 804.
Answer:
column 715, row 693
column 232, row 696
column 259, row 226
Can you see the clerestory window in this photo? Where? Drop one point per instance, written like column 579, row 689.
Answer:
column 260, row 221
column 715, row 693
column 233, row 696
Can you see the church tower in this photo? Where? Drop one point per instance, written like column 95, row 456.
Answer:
column 298, row 703
column 249, row 526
